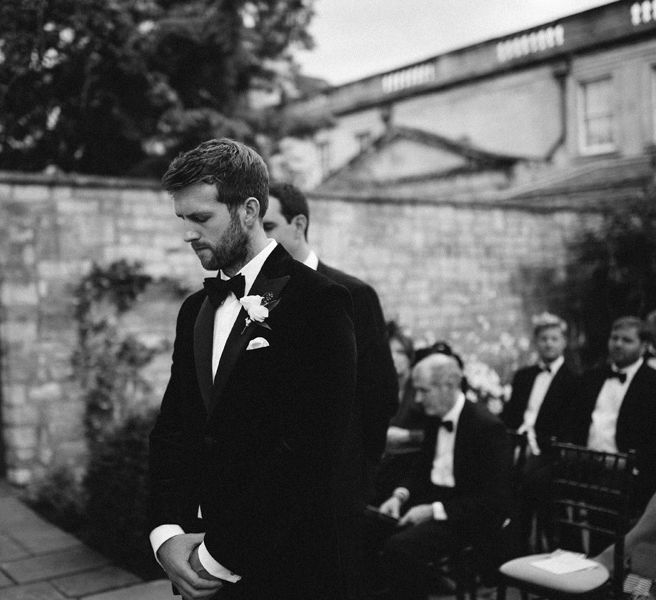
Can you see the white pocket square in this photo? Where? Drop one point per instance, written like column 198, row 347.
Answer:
column 256, row 343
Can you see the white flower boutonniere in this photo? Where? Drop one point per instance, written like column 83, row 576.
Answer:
column 257, row 312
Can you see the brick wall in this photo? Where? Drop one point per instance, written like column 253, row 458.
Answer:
column 442, row 270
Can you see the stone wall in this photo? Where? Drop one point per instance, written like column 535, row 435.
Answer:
column 443, row 270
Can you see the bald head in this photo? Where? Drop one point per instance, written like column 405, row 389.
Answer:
column 437, row 379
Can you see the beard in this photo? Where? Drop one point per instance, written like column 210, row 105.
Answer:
column 231, row 250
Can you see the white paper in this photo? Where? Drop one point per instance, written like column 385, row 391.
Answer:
column 562, row 562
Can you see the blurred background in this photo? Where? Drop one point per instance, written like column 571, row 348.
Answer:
column 476, row 162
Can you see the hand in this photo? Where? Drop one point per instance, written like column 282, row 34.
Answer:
column 196, row 565
column 417, row 514
column 174, row 555
column 391, row 507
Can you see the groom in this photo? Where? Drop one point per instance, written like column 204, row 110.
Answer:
column 246, row 467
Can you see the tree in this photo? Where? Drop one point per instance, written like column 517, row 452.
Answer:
column 121, row 86
column 611, row 272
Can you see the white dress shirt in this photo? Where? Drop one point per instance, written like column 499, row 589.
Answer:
column 312, row 260
column 601, row 435
column 535, row 400
column 442, row 472
column 224, row 320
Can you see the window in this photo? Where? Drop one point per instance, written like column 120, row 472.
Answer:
column 596, row 116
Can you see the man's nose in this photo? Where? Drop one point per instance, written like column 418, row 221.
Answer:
column 191, row 236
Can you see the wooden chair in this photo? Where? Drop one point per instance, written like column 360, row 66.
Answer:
column 592, row 494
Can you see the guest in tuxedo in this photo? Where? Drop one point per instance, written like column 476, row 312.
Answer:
column 541, row 395
column 287, row 221
column 458, row 491
column 246, row 466
column 616, row 404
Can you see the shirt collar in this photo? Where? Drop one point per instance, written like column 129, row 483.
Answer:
column 312, row 260
column 454, row 414
column 252, row 268
column 630, row 370
column 553, row 365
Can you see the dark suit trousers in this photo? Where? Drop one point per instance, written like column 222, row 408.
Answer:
column 403, row 564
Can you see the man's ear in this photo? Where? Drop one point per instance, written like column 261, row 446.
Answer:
column 251, row 210
column 300, row 225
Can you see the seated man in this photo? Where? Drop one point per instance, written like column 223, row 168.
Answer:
column 541, row 395
column 615, row 409
column 458, row 490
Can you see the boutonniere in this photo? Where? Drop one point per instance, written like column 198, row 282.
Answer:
column 258, row 308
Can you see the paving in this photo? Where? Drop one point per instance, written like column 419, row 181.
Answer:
column 39, row 561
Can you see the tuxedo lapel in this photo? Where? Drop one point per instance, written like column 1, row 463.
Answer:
column 203, row 345
column 241, row 332
column 461, row 444
column 629, row 405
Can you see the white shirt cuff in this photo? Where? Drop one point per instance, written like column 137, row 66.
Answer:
column 439, row 514
column 161, row 534
column 215, row 568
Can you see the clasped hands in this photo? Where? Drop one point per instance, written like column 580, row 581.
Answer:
column 416, row 515
column 179, row 558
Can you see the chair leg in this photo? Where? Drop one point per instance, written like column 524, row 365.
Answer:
column 501, row 591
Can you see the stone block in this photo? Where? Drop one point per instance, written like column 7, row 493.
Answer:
column 4, row 581
column 40, row 537
column 93, row 582
column 18, row 293
column 19, row 414
column 10, row 549
column 19, row 476
column 46, row 566
column 21, row 437
column 32, row 591
column 31, row 193
column 47, row 392
column 151, row 590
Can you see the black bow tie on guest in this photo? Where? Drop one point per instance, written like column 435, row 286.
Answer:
column 448, row 425
column 545, row 368
column 610, row 374
column 217, row 289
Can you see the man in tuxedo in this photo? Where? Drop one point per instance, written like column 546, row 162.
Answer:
column 246, row 468
column 540, row 398
column 616, row 404
column 458, row 491
column 287, row 221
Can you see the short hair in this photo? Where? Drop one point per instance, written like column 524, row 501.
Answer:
column 548, row 320
column 394, row 333
column 292, row 201
column 442, row 363
column 237, row 171
column 634, row 323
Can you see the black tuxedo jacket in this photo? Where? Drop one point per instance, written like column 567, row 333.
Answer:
column 551, row 416
column 636, row 422
column 261, row 448
column 481, row 499
column 377, row 385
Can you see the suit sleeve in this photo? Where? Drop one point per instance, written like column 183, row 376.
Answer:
column 167, row 472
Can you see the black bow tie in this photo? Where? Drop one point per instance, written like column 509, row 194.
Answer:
column 545, row 368
column 448, row 425
column 217, row 289
column 610, row 374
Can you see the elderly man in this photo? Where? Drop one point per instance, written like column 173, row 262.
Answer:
column 247, row 454
column 458, row 491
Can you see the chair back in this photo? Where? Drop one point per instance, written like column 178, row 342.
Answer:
column 518, row 444
column 592, row 495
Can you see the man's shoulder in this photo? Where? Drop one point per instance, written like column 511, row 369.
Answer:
column 350, row 282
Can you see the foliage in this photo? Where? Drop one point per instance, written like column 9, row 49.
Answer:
column 121, row 86
column 116, row 489
column 109, row 364
column 610, row 272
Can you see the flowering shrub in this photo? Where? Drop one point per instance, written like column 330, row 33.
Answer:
column 484, row 385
